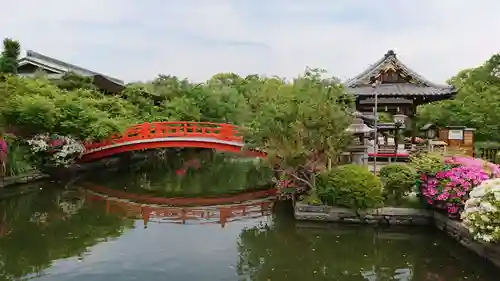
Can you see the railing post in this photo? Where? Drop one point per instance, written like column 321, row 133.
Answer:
column 224, row 131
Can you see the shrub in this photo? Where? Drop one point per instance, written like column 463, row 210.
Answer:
column 492, row 169
column 397, row 179
column 18, row 158
column 427, row 163
column 351, row 186
column 482, row 211
column 55, row 150
column 450, row 187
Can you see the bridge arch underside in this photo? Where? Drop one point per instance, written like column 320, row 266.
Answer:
column 114, row 149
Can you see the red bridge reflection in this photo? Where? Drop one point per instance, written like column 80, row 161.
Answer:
column 245, row 206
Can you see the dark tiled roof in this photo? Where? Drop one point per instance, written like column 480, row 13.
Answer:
column 360, row 85
column 60, row 66
column 397, row 89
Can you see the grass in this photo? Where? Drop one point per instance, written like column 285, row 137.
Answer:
column 17, row 160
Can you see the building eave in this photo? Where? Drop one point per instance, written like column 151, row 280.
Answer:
column 41, row 65
column 55, row 65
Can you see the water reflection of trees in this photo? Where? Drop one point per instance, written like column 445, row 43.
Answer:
column 38, row 228
column 190, row 173
column 282, row 251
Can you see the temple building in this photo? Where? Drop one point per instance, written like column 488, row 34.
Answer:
column 34, row 61
column 399, row 89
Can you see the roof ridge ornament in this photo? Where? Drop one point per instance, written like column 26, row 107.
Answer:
column 390, row 53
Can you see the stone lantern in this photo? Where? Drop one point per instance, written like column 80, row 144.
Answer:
column 399, row 123
column 399, row 118
column 431, row 131
column 358, row 150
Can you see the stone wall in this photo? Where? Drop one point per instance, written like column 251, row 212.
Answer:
column 400, row 216
column 22, row 179
column 457, row 231
column 386, row 215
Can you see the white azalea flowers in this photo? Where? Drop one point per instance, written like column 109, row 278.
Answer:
column 482, row 211
column 60, row 150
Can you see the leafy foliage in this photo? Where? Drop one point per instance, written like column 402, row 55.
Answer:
column 301, row 124
column 18, row 162
column 397, row 179
column 72, row 81
column 350, row 186
column 427, row 163
column 168, row 98
column 34, row 106
column 9, row 56
column 476, row 104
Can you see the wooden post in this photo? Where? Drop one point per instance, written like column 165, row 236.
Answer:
column 469, row 140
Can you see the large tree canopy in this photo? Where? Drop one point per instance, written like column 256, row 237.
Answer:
column 477, row 104
column 301, row 124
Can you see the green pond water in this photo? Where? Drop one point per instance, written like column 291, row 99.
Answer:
column 74, row 232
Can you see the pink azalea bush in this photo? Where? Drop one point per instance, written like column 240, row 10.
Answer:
column 491, row 168
column 449, row 188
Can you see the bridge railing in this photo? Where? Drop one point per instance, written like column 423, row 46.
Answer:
column 153, row 130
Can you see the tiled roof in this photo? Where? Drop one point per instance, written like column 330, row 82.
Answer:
column 60, row 67
column 402, row 89
column 360, row 85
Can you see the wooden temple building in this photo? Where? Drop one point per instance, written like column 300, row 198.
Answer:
column 399, row 90
column 55, row 69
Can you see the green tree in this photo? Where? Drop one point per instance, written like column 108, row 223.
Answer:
column 301, row 124
column 72, row 81
column 168, row 98
column 34, row 106
column 10, row 56
column 476, row 105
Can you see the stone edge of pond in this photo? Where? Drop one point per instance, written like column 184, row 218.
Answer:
column 456, row 230
column 400, row 216
column 8, row 182
column 385, row 215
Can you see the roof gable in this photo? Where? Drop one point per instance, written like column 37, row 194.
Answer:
column 390, row 63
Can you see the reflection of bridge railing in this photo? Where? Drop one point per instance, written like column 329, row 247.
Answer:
column 221, row 214
column 183, row 201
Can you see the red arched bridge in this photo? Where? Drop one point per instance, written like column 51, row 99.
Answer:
column 223, row 137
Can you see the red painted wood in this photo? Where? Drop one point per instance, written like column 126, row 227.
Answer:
column 183, row 201
column 221, row 214
column 209, row 131
column 388, row 155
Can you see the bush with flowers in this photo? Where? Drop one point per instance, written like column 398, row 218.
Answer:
column 55, row 150
column 447, row 185
column 482, row 211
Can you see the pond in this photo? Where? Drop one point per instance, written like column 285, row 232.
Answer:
column 150, row 223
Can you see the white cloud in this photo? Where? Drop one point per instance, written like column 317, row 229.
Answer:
column 134, row 39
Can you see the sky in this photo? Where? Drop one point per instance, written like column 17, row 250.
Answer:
column 139, row 39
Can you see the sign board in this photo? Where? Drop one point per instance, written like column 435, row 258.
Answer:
column 456, row 134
